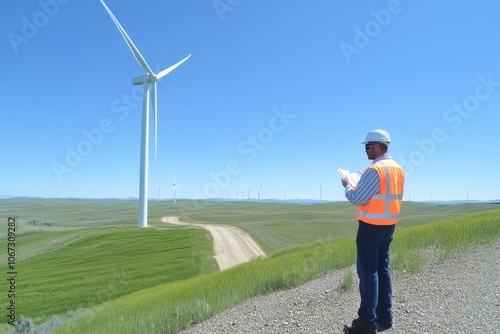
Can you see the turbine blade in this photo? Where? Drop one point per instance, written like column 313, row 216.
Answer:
column 155, row 112
column 140, row 59
column 171, row 68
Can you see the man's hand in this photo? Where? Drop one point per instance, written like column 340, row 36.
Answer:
column 345, row 182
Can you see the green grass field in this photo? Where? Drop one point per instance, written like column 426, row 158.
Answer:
column 89, row 255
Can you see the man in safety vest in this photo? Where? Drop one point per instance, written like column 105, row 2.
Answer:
column 377, row 197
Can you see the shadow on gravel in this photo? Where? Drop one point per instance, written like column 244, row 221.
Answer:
column 381, row 328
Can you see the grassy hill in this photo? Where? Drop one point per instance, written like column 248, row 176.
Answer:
column 89, row 254
column 278, row 225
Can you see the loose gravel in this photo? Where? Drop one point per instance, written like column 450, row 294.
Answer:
column 460, row 295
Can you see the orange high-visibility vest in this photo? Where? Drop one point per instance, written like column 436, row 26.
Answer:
column 385, row 206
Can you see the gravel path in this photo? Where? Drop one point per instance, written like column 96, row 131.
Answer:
column 461, row 295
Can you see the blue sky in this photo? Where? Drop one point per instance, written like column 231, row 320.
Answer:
column 278, row 93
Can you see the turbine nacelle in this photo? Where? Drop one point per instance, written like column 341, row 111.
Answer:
column 144, row 78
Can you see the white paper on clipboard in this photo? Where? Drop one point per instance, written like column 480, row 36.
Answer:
column 353, row 177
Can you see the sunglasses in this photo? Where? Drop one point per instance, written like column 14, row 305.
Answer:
column 367, row 146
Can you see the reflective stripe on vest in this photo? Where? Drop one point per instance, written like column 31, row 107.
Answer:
column 375, row 212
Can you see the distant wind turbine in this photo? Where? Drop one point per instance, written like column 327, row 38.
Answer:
column 260, row 191
column 174, row 189
column 145, row 79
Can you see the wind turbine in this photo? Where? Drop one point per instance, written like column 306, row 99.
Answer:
column 260, row 191
column 145, row 80
column 175, row 188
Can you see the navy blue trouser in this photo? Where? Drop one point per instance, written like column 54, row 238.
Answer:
column 375, row 287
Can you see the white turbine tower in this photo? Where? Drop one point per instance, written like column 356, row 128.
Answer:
column 145, row 80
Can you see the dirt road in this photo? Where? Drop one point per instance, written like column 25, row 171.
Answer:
column 232, row 245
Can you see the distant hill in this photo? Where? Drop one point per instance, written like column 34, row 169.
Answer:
column 265, row 200
column 493, row 201
column 271, row 200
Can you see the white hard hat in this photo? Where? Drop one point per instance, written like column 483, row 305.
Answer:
column 378, row 135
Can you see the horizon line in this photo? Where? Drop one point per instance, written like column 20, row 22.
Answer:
column 221, row 199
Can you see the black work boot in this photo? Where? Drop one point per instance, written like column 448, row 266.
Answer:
column 358, row 327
